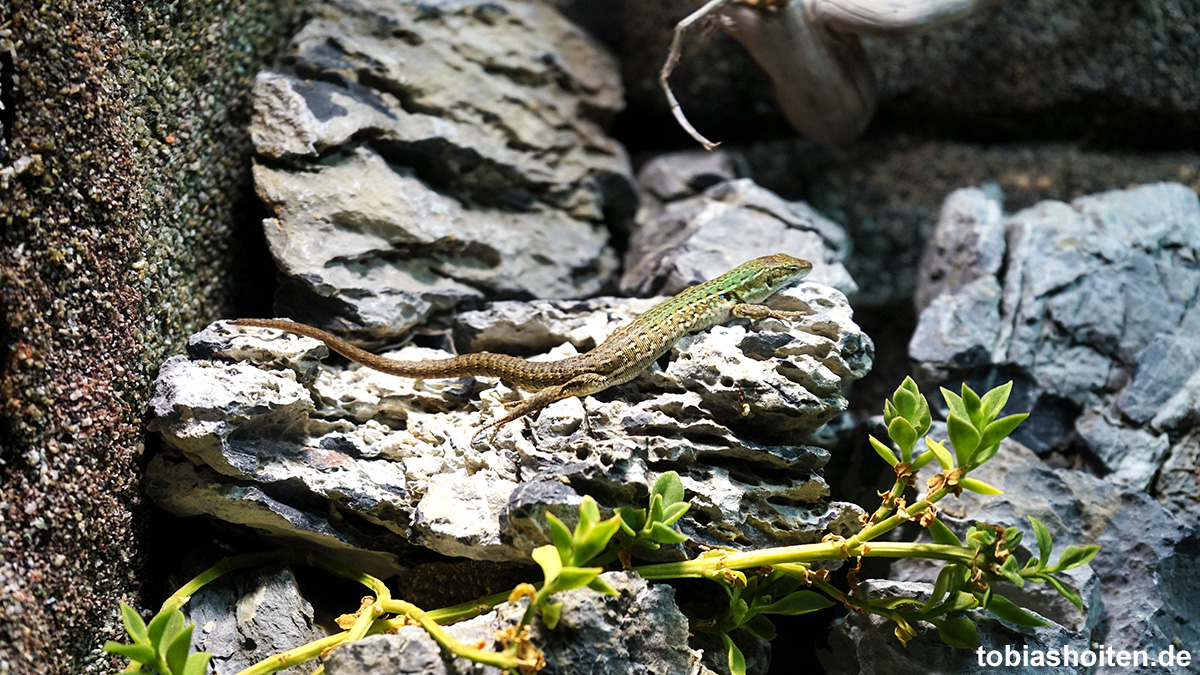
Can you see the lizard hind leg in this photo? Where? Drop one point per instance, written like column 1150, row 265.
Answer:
column 579, row 386
column 519, row 409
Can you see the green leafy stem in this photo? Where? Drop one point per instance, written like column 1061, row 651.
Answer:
column 783, row 580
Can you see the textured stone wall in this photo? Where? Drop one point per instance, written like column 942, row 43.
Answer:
column 123, row 166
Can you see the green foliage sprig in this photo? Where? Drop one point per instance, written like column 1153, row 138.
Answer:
column 987, row 557
column 786, row 580
column 751, row 600
column 162, row 646
column 562, row 562
column 651, row 527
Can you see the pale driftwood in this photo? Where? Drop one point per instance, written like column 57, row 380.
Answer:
column 811, row 50
column 891, row 18
column 823, row 80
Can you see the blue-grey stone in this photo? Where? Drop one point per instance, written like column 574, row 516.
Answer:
column 1164, row 367
column 247, row 617
column 1093, row 313
column 864, row 644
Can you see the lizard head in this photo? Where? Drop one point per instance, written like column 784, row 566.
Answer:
column 773, row 273
column 759, row 279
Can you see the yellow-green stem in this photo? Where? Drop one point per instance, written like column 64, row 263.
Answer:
column 502, row 660
column 472, row 609
column 227, row 565
column 702, row 567
column 291, row 657
column 895, row 520
column 889, row 504
column 366, row 618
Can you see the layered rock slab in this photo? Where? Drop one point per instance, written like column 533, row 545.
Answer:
column 415, row 156
column 353, row 459
column 684, row 236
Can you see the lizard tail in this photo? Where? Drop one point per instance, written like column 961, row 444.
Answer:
column 524, row 374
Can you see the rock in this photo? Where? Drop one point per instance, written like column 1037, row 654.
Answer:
column 187, row 490
column 959, row 287
column 696, row 238
column 638, row 632
column 353, row 458
column 887, row 193
column 1182, row 409
column 246, row 618
column 967, row 246
column 865, row 643
column 676, row 175
column 1137, row 591
column 457, row 154
column 1164, row 369
column 1092, row 313
column 1134, row 455
column 1178, row 483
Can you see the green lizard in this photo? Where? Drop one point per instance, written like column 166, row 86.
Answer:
column 617, row 360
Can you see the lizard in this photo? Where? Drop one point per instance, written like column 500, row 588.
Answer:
column 618, row 359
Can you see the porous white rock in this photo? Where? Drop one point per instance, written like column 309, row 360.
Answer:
column 396, row 463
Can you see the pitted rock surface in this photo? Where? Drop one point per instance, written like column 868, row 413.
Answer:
column 350, row 457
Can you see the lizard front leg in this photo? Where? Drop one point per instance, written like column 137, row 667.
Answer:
column 580, row 385
column 756, row 312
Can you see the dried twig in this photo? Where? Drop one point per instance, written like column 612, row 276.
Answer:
column 673, row 60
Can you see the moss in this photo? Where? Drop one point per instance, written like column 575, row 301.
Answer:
column 122, row 167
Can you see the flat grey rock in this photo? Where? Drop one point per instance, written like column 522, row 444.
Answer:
column 416, row 156
column 356, row 459
column 694, row 238
column 967, row 246
column 187, row 490
column 1133, row 454
column 1090, row 307
column 675, row 175
column 1178, row 482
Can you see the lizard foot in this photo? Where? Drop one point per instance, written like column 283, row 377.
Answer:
column 758, row 312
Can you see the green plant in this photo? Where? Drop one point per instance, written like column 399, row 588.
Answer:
column 162, row 646
column 786, row 580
